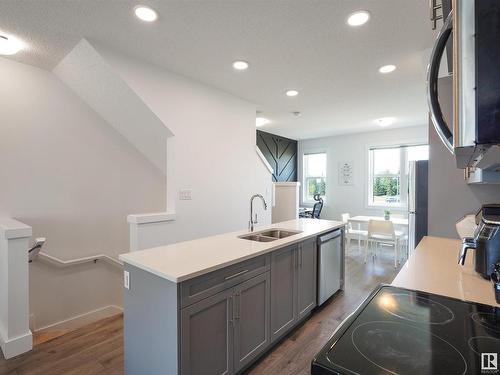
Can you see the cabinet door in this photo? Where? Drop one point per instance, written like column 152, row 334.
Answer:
column 207, row 336
column 283, row 291
column 251, row 316
column 307, row 277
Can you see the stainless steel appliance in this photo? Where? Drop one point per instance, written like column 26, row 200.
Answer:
column 486, row 241
column 401, row 331
column 331, row 266
column 474, row 134
column 417, row 202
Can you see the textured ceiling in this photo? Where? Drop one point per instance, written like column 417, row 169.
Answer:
column 289, row 44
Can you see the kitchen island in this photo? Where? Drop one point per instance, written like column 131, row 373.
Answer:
column 216, row 304
column 433, row 268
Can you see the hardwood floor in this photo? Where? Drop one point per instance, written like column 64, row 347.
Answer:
column 97, row 349
column 293, row 355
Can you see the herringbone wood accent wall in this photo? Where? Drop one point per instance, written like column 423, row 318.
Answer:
column 281, row 153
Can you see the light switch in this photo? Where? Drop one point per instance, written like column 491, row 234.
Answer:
column 185, row 194
column 126, row 280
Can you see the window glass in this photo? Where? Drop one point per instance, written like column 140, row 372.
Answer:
column 386, row 161
column 388, row 173
column 386, row 176
column 314, row 176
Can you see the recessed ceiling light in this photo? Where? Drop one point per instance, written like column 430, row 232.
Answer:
column 261, row 121
column 387, row 69
column 385, row 121
column 240, row 65
column 145, row 13
column 292, row 93
column 10, row 45
column 358, row 18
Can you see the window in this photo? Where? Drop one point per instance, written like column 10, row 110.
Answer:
column 388, row 173
column 314, row 166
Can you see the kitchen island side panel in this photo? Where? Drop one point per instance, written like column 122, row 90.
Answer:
column 151, row 321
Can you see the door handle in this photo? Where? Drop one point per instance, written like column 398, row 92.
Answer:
column 437, row 118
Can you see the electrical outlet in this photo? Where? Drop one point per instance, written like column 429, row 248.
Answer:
column 126, row 280
column 185, row 194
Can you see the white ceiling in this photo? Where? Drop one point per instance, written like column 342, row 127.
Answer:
column 298, row 44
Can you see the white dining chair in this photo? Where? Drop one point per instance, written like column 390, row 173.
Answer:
column 353, row 234
column 381, row 232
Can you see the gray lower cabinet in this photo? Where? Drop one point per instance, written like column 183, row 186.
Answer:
column 223, row 333
column 206, row 336
column 220, row 322
column 283, row 291
column 307, row 277
column 251, row 319
column 293, row 286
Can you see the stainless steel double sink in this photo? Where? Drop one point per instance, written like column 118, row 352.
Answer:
column 269, row 235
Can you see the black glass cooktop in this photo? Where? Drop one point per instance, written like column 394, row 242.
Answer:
column 400, row 331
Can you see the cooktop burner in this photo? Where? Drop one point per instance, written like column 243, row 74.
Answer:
column 489, row 321
column 416, row 309
column 484, row 344
column 399, row 331
column 400, row 348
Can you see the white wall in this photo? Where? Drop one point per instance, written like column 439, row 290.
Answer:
column 354, row 148
column 69, row 175
column 74, row 179
column 93, row 80
column 214, row 150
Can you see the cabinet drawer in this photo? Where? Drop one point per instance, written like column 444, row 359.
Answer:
column 201, row 287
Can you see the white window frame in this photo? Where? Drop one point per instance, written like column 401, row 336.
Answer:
column 403, row 187
column 303, row 177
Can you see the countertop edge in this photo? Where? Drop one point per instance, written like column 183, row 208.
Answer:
column 124, row 258
column 444, row 276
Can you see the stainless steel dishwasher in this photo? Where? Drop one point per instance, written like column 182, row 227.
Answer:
column 331, row 266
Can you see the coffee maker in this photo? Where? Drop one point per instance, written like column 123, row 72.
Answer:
column 486, row 241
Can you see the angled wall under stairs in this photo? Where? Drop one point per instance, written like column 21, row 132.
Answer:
column 88, row 74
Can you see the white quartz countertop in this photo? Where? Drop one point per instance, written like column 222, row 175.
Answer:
column 185, row 260
column 434, row 268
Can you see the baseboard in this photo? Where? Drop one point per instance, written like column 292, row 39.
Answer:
column 81, row 320
column 17, row 345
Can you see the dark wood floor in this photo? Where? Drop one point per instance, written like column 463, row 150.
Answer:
column 97, row 349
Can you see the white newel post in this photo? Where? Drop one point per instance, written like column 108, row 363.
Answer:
column 149, row 230
column 15, row 335
column 285, row 201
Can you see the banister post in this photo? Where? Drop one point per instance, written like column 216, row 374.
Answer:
column 15, row 335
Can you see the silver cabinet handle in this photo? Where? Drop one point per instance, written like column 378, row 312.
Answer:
column 235, row 275
column 231, row 311
column 237, row 305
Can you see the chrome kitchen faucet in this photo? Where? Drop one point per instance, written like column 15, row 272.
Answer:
column 252, row 221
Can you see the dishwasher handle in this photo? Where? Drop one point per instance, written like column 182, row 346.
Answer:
column 329, row 236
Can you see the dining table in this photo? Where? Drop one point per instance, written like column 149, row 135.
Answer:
column 400, row 223
column 361, row 219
